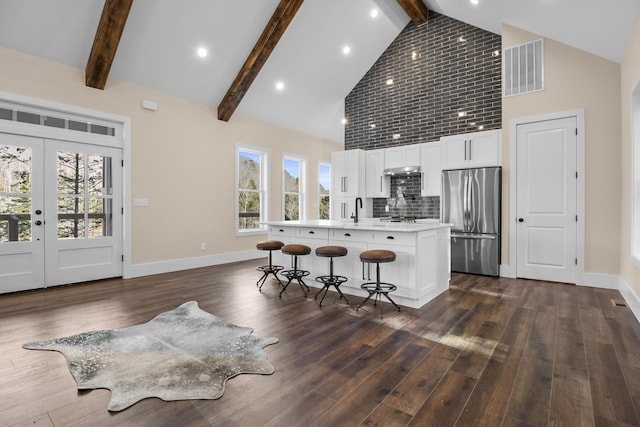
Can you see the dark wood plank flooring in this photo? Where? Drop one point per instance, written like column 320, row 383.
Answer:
column 488, row 352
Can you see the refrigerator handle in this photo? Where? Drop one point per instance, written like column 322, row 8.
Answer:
column 465, row 200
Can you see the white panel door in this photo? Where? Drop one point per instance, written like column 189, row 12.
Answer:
column 546, row 200
column 83, row 212
column 21, row 213
column 60, row 212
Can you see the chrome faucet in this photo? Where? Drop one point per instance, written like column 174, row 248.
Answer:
column 355, row 217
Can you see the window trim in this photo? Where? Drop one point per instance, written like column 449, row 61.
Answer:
column 324, row 163
column 264, row 190
column 634, row 243
column 303, row 184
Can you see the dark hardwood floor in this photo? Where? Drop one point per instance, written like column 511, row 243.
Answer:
column 488, row 352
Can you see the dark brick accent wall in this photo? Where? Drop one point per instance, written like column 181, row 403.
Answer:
column 436, row 75
column 405, row 200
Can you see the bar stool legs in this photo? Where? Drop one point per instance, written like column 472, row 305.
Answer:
column 268, row 245
column 331, row 279
column 295, row 273
column 377, row 289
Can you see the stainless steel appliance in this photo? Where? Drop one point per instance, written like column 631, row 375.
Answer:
column 471, row 202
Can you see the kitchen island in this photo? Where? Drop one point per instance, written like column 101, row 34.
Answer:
column 421, row 270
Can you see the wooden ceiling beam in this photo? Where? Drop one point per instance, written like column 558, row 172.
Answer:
column 267, row 42
column 416, row 10
column 105, row 44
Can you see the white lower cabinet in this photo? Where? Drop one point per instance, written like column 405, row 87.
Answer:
column 356, row 242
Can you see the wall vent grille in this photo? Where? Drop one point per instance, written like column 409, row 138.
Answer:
column 523, row 68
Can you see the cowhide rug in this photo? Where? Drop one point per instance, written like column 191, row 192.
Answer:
column 185, row 353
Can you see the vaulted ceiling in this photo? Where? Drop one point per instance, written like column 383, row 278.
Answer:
column 254, row 44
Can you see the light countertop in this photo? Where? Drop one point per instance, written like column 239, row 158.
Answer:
column 372, row 224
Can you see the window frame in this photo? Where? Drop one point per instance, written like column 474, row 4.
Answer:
column 302, row 185
column 634, row 244
column 263, row 190
column 326, row 164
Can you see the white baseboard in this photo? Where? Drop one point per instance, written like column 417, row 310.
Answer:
column 505, row 271
column 598, row 280
column 630, row 297
column 147, row 269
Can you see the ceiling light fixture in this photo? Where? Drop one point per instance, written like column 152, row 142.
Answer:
column 475, row 2
column 344, row 121
column 201, row 52
column 389, row 82
column 374, row 13
column 346, row 50
column 279, row 85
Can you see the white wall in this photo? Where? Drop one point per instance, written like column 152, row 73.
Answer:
column 183, row 161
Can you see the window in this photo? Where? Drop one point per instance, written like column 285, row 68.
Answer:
column 324, row 189
column 635, row 174
column 293, row 182
column 251, row 185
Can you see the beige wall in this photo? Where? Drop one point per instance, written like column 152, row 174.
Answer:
column 629, row 77
column 574, row 79
column 183, row 158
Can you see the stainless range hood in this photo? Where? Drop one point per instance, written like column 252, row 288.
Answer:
column 404, row 170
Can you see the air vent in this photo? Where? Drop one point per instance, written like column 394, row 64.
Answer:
column 618, row 303
column 523, row 68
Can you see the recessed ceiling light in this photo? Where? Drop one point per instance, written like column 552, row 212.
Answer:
column 344, row 121
column 396, row 136
column 201, row 52
column 372, row 125
column 475, row 2
column 280, row 85
column 374, row 13
column 462, row 114
column 480, row 127
column 389, row 82
column 346, row 50
column 495, row 53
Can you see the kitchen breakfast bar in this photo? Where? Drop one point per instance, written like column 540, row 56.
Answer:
column 421, row 270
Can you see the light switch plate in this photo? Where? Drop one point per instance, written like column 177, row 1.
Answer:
column 140, row 202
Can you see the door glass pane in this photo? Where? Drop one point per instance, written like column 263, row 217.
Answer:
column 70, row 173
column 70, row 217
column 84, row 196
column 15, row 194
column 99, row 176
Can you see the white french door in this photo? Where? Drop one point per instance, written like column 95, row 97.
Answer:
column 60, row 212
column 546, row 200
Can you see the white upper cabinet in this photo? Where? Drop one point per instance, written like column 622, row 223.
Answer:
column 403, row 155
column 430, row 163
column 472, row 150
column 348, row 173
column 377, row 184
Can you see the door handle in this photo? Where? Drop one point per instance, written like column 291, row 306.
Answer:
column 38, row 212
column 520, row 219
column 38, row 222
column 465, row 149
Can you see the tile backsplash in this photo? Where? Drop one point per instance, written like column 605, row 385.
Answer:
column 405, row 200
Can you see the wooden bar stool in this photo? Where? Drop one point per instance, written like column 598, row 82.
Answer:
column 378, row 288
column 295, row 251
column 332, row 279
column 269, row 245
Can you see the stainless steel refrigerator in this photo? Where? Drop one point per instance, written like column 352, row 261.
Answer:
column 471, row 202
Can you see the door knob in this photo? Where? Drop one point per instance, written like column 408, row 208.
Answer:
column 38, row 222
column 520, row 219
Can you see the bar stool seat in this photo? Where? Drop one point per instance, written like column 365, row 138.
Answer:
column 269, row 245
column 331, row 279
column 377, row 289
column 295, row 250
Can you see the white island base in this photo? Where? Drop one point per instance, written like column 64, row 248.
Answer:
column 421, row 270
